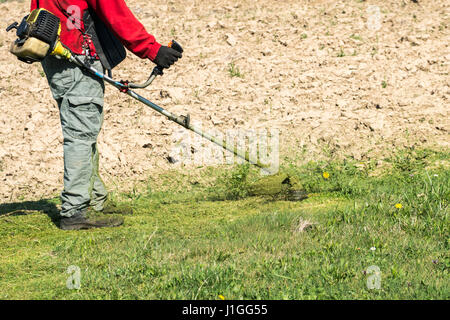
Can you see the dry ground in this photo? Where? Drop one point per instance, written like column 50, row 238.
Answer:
column 313, row 69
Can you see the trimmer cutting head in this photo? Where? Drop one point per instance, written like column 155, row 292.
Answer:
column 279, row 186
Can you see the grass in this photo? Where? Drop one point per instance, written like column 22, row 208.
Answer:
column 234, row 71
column 356, row 37
column 212, row 239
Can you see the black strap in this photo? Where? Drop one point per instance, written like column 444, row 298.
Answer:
column 37, row 2
column 109, row 49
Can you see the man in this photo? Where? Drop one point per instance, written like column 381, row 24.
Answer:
column 80, row 100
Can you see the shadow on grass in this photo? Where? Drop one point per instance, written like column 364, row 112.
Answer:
column 30, row 207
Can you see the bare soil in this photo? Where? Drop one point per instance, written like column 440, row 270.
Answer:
column 313, row 69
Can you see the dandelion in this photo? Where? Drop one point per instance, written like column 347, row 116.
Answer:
column 398, row 206
column 221, row 297
column 326, row 175
column 373, row 248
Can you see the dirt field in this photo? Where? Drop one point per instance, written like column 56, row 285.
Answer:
column 316, row 70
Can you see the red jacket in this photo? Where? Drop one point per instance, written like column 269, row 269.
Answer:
column 114, row 13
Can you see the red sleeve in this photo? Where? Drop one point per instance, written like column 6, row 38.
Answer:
column 119, row 18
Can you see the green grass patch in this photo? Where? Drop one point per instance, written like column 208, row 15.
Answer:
column 234, row 71
column 201, row 240
column 356, row 37
column 341, row 53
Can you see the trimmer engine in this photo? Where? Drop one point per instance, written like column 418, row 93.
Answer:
column 38, row 37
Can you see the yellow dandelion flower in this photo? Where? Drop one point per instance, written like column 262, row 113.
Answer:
column 326, row 175
column 221, row 297
column 398, row 206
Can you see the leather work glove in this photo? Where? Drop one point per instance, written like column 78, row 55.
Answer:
column 166, row 57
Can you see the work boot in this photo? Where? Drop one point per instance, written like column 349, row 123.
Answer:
column 88, row 220
column 112, row 208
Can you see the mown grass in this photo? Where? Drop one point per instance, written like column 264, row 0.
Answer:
column 213, row 239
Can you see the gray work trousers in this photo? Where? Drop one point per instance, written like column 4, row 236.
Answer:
column 80, row 101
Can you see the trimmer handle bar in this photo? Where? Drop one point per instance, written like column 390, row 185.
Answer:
column 157, row 71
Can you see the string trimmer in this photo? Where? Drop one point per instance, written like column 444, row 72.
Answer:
column 38, row 37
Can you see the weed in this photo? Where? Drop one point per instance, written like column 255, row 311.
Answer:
column 234, row 71
column 233, row 185
column 356, row 37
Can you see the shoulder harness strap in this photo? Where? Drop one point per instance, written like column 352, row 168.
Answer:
column 109, row 49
